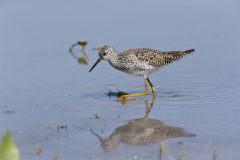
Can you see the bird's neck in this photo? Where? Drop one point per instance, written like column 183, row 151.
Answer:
column 114, row 60
column 115, row 138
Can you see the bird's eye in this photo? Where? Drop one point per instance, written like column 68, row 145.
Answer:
column 104, row 53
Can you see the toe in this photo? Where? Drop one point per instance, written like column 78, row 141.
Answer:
column 122, row 97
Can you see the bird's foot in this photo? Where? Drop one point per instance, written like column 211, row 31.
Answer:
column 117, row 94
column 122, row 97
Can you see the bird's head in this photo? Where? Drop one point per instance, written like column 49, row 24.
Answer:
column 108, row 144
column 105, row 53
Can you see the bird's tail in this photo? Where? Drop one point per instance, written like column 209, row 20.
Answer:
column 172, row 56
column 189, row 51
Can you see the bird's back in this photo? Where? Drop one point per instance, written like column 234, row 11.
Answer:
column 155, row 58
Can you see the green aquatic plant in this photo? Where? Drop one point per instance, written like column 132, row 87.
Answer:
column 162, row 148
column 82, row 43
column 83, row 59
column 8, row 149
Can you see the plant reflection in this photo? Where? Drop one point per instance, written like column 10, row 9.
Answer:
column 83, row 59
column 141, row 131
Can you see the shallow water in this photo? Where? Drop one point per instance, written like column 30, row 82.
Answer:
column 51, row 101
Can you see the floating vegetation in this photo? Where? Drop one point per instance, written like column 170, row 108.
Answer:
column 8, row 149
column 82, row 43
column 83, row 59
column 162, row 148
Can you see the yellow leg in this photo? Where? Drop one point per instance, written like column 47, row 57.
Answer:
column 153, row 88
column 136, row 94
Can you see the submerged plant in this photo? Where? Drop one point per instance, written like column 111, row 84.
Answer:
column 82, row 43
column 8, row 149
column 83, row 59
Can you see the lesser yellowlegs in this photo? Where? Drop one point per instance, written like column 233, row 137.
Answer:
column 139, row 62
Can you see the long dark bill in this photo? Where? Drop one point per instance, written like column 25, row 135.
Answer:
column 98, row 60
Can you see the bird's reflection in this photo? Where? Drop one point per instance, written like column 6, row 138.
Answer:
column 141, row 131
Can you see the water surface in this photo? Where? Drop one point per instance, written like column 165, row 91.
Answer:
column 50, row 100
